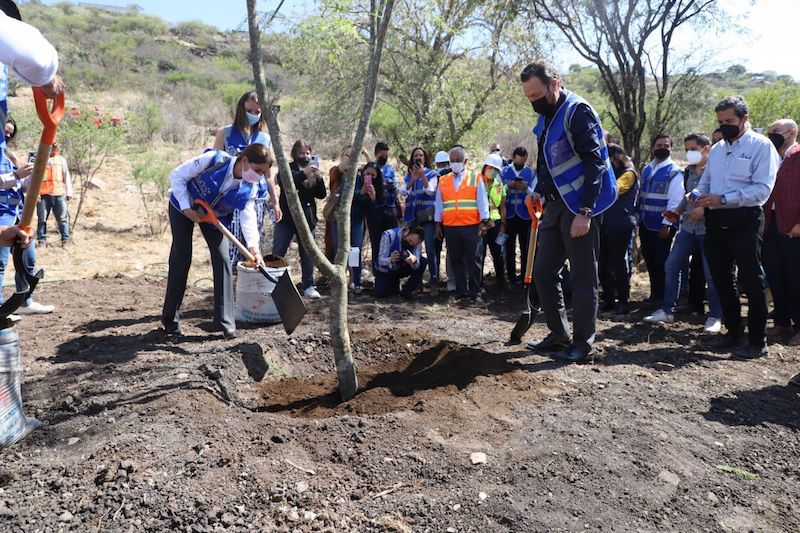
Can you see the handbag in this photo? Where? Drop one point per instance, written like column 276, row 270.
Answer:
column 329, row 209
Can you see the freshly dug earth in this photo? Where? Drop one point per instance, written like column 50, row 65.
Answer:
column 202, row 434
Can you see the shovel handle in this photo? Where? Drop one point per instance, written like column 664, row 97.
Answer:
column 535, row 211
column 211, row 218
column 50, row 119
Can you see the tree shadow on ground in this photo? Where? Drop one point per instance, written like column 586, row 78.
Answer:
column 776, row 404
column 117, row 349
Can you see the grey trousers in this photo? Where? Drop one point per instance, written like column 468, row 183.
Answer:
column 554, row 247
column 180, row 259
column 464, row 251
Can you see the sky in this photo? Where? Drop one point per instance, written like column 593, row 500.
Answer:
column 762, row 41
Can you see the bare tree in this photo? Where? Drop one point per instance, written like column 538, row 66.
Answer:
column 630, row 42
column 380, row 12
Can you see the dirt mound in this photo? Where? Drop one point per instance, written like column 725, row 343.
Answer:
column 429, row 377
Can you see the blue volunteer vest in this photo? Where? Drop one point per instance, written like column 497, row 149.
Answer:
column 207, row 184
column 235, row 143
column 389, row 195
column 3, row 101
column 395, row 246
column 10, row 199
column 654, row 195
column 565, row 164
column 418, row 200
column 515, row 200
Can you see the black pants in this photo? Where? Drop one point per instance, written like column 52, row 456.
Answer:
column 556, row 246
column 614, row 267
column 490, row 241
column 463, row 246
column 733, row 243
column 180, row 260
column 518, row 230
column 782, row 265
column 655, row 251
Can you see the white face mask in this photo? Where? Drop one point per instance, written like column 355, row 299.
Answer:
column 251, row 176
column 693, row 157
column 457, row 167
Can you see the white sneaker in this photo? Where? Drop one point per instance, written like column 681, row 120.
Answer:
column 35, row 309
column 352, row 286
column 14, row 318
column 660, row 317
column 312, row 293
column 713, row 325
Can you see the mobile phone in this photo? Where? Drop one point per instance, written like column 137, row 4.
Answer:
column 31, row 157
column 315, row 161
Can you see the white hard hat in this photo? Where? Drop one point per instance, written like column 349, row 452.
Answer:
column 494, row 160
column 442, row 157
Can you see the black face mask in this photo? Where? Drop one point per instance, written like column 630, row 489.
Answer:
column 8, row 138
column 776, row 138
column 519, row 166
column 302, row 162
column 662, row 153
column 730, row 131
column 407, row 246
column 382, row 161
column 542, row 106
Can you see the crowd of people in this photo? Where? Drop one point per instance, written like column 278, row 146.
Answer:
column 596, row 203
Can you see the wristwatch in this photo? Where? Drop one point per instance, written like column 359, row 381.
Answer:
column 585, row 211
column 723, row 200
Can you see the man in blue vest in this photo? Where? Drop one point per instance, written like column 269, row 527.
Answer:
column 661, row 194
column 577, row 182
column 520, row 180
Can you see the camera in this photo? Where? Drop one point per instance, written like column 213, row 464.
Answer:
column 406, row 254
column 31, row 157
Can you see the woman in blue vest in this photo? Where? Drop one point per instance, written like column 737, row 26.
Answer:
column 419, row 190
column 661, row 193
column 249, row 127
column 616, row 235
column 227, row 184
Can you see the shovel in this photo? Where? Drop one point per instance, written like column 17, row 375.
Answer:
column 26, row 281
column 526, row 318
column 287, row 300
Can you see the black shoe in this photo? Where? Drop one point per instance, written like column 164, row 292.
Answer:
column 552, row 343
column 752, row 352
column 575, row 355
column 408, row 295
column 173, row 329
column 726, row 342
column 229, row 334
column 607, row 306
column 621, row 309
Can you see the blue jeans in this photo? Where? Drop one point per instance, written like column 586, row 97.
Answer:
column 58, row 205
column 430, row 252
column 675, row 273
column 28, row 259
column 282, row 238
column 356, row 241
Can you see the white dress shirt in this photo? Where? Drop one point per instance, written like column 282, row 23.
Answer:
column 26, row 51
column 744, row 171
column 187, row 171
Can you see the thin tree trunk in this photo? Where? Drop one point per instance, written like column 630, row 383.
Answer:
column 336, row 272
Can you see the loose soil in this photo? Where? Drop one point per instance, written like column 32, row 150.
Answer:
column 203, row 434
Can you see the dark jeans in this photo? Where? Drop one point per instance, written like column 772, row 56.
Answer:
column 614, row 266
column 490, row 241
column 733, row 242
column 28, row 259
column 388, row 283
column 697, row 279
column 431, row 251
column 655, row 251
column 180, row 260
column 782, row 265
column 284, row 233
column 356, row 241
column 518, row 230
column 556, row 246
column 58, row 205
column 463, row 247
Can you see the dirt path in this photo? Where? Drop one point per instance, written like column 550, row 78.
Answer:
column 203, row 434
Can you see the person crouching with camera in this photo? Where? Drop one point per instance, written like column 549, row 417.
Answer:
column 400, row 256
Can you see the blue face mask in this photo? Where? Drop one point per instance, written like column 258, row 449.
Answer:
column 253, row 119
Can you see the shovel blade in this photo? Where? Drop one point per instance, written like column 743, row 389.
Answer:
column 521, row 327
column 289, row 303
